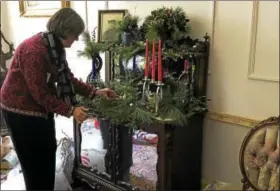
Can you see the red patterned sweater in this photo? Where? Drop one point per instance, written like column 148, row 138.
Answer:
column 29, row 87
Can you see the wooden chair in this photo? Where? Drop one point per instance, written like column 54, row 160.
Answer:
column 259, row 156
column 4, row 57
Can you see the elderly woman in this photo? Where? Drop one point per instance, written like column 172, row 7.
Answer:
column 39, row 83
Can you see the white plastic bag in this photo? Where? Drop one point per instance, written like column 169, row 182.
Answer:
column 93, row 141
column 63, row 126
column 61, row 182
column 91, row 135
column 15, row 181
column 65, row 158
column 94, row 158
column 92, row 152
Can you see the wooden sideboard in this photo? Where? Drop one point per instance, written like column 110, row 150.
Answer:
column 179, row 158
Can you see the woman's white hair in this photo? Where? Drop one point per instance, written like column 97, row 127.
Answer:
column 66, row 22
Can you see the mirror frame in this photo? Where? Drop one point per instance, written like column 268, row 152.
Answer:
column 95, row 179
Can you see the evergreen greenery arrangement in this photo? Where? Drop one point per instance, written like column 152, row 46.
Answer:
column 178, row 103
column 119, row 50
column 176, row 107
column 91, row 46
column 128, row 24
column 166, row 24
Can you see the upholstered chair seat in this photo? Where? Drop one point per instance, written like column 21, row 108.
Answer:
column 259, row 156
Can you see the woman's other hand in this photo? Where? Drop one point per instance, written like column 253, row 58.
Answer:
column 80, row 114
column 107, row 93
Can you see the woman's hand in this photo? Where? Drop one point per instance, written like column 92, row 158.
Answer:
column 80, row 114
column 107, row 93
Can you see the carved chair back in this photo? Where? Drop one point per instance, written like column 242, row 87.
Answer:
column 4, row 56
column 259, row 156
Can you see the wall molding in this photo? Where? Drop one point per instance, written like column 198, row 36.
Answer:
column 232, row 119
column 214, row 8
column 253, row 44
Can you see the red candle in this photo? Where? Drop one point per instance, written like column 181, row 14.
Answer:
column 147, row 59
column 159, row 62
column 154, row 61
column 185, row 65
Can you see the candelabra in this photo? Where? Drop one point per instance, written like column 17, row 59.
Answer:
column 184, row 75
column 146, row 89
column 158, row 95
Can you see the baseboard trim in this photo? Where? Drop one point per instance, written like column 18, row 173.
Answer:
column 232, row 119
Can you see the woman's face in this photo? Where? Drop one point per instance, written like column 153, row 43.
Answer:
column 67, row 43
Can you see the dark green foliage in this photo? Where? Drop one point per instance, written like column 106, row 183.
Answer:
column 127, row 52
column 175, row 107
column 91, row 46
column 166, row 24
column 128, row 24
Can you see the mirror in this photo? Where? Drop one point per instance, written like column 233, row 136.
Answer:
column 142, row 171
column 92, row 146
column 259, row 159
column 137, row 152
column 124, row 68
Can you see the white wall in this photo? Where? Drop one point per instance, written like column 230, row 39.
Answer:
column 18, row 28
column 235, row 86
column 231, row 89
column 4, row 24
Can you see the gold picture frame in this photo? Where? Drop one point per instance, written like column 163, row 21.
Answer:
column 41, row 8
column 105, row 19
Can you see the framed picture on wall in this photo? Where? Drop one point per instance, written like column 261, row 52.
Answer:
column 106, row 19
column 41, row 8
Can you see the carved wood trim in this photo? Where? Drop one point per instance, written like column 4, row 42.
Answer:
column 5, row 56
column 232, row 119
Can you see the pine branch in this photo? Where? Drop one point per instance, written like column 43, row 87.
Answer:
column 176, row 107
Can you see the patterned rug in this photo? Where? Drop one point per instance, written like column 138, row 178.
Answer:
column 143, row 172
